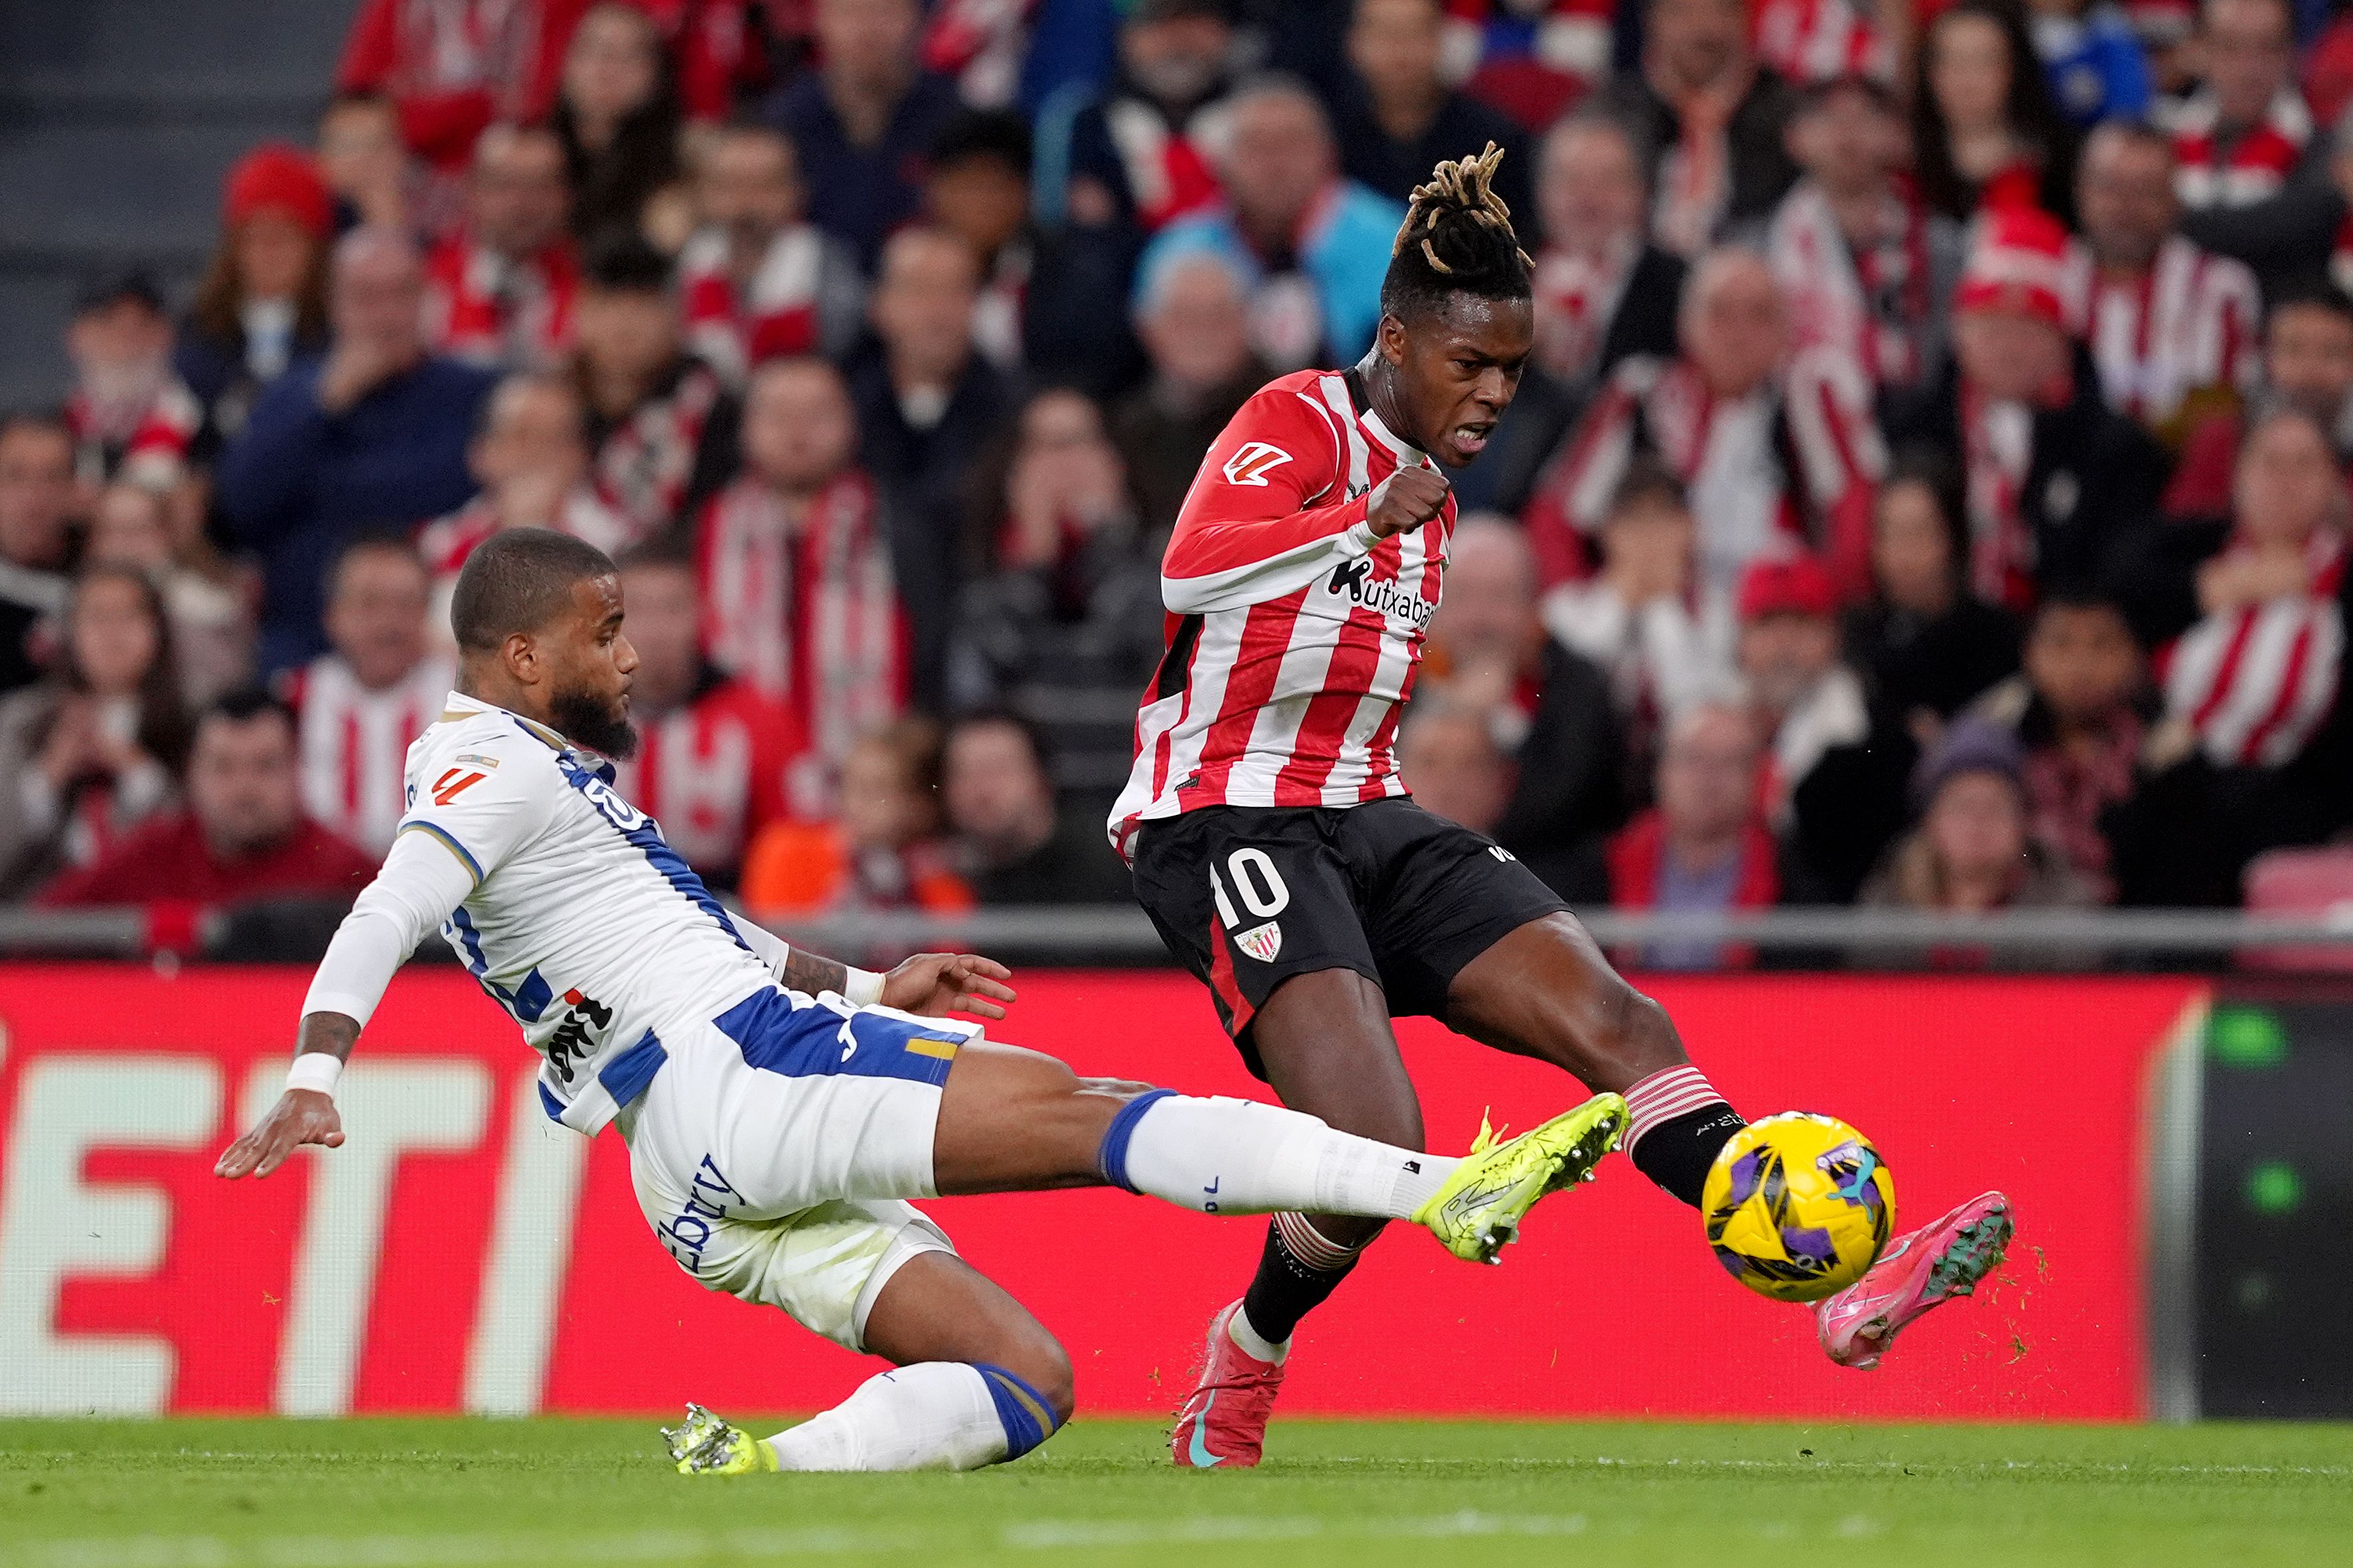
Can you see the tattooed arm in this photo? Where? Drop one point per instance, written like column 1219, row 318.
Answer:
column 929, row 984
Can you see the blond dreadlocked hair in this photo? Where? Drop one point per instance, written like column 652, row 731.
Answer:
column 1456, row 238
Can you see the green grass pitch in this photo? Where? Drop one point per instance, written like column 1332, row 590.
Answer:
column 387, row 1493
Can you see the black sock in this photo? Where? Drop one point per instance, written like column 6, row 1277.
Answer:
column 1677, row 1152
column 1285, row 1290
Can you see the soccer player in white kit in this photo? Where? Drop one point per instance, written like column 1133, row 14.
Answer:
column 780, row 1107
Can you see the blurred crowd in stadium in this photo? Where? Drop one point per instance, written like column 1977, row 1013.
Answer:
column 1930, row 488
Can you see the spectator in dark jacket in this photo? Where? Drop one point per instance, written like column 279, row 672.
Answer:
column 1401, row 118
column 372, row 434
column 263, row 301
column 1065, row 627
column 1053, row 301
column 927, row 405
column 1015, row 846
column 1603, row 293
column 2074, row 500
column 862, row 119
column 1714, row 118
column 1923, row 645
column 661, row 425
column 1192, row 320
column 1549, row 708
column 37, row 499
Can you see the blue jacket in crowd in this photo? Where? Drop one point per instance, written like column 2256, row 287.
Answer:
column 1344, row 252
column 297, row 484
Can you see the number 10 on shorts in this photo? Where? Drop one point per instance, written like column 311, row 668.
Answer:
column 1262, row 892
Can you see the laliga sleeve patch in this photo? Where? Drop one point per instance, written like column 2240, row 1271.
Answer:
column 1254, row 462
column 454, row 782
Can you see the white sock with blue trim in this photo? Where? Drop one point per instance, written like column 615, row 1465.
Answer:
column 932, row 1415
column 1216, row 1155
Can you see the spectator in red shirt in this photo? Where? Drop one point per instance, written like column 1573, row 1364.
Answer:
column 717, row 761
column 1705, row 847
column 243, row 835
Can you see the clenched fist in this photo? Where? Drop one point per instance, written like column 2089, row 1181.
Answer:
column 1406, row 500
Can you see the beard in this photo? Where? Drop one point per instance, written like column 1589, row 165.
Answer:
column 587, row 719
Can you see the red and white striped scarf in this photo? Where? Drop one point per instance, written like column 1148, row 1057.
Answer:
column 1576, row 295
column 645, row 462
column 2255, row 682
column 145, row 441
column 2187, row 324
column 484, row 309
column 1863, row 303
column 1166, row 172
column 1819, row 40
column 2257, row 164
column 732, row 330
column 808, row 614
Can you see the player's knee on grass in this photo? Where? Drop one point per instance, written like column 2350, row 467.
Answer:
column 1045, row 1366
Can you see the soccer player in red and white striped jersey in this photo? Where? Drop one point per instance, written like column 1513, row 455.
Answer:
column 1278, row 851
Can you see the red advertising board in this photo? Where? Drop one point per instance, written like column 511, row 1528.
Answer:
column 463, row 1252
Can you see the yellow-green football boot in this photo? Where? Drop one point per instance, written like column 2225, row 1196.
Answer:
column 1480, row 1207
column 703, row 1445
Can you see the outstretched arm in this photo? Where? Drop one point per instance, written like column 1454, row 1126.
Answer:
column 929, row 983
column 421, row 882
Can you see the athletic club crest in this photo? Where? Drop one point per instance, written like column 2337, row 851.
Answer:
column 1262, row 942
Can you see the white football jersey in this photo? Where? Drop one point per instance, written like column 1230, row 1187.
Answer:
column 583, row 924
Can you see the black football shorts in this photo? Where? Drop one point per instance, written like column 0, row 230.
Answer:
column 1246, row 897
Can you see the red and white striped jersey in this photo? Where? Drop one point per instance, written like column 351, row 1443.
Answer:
column 354, row 743
column 715, row 770
column 1293, row 634
column 2255, row 682
column 2187, row 324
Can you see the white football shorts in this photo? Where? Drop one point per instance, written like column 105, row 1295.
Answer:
column 774, row 1151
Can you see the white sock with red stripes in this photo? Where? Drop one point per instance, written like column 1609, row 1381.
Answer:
column 1676, row 1124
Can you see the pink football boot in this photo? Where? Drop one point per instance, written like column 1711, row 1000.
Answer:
column 1223, row 1424
column 1923, row 1270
